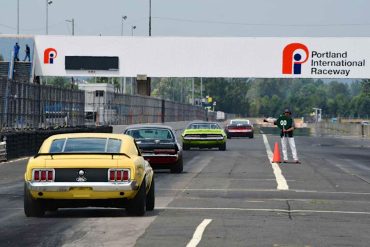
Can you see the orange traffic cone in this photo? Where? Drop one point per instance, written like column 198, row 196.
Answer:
column 276, row 158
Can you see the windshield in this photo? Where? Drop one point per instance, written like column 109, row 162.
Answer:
column 84, row 145
column 204, row 126
column 151, row 133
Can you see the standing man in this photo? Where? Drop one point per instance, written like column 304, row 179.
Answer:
column 16, row 52
column 286, row 124
column 28, row 54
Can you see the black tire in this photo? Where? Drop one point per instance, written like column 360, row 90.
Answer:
column 251, row 136
column 150, row 198
column 178, row 167
column 185, row 147
column 137, row 206
column 228, row 137
column 222, row 147
column 32, row 207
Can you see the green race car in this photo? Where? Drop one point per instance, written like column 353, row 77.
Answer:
column 203, row 135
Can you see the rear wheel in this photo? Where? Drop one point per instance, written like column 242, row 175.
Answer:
column 32, row 207
column 251, row 135
column 185, row 147
column 137, row 206
column 178, row 167
column 222, row 147
column 150, row 198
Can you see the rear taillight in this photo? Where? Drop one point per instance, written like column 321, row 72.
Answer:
column 43, row 175
column 119, row 175
column 165, row 151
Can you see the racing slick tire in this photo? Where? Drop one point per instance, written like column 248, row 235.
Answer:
column 185, row 147
column 137, row 206
column 178, row 167
column 222, row 147
column 32, row 207
column 150, row 198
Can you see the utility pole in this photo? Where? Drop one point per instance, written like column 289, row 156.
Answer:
column 150, row 18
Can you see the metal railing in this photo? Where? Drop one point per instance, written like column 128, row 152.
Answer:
column 26, row 106
column 122, row 109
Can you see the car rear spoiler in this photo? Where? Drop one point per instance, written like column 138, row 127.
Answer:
column 52, row 154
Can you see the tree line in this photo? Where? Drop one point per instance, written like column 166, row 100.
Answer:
column 262, row 97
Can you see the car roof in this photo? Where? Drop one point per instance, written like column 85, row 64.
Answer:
column 136, row 126
column 239, row 119
column 88, row 135
column 202, row 122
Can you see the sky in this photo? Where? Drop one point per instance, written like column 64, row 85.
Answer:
column 206, row 18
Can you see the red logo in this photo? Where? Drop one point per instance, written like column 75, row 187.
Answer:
column 292, row 59
column 49, row 55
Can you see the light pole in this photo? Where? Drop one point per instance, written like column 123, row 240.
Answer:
column 48, row 2
column 17, row 16
column 73, row 25
column 132, row 30
column 150, row 18
column 122, row 20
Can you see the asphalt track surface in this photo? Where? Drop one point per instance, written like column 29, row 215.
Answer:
column 231, row 197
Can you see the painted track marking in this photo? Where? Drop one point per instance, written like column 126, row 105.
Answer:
column 272, row 210
column 280, row 179
column 197, row 236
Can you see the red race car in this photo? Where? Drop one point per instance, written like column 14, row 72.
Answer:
column 239, row 128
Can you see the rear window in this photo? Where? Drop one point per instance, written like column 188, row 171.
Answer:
column 239, row 122
column 157, row 134
column 204, row 126
column 86, row 145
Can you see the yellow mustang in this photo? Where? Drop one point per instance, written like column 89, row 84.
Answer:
column 88, row 169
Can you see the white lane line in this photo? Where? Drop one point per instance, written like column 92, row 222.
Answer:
column 280, row 179
column 271, row 190
column 197, row 236
column 267, row 210
column 12, row 161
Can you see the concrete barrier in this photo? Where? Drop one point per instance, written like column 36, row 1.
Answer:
column 27, row 143
column 341, row 129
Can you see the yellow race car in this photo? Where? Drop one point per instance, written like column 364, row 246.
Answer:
column 88, row 169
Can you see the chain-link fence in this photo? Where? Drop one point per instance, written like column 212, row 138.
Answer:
column 25, row 105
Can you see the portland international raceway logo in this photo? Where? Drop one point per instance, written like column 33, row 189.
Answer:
column 49, row 55
column 294, row 55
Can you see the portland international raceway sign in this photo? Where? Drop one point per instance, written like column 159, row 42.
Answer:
column 208, row 57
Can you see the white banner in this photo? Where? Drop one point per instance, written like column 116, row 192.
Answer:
column 209, row 57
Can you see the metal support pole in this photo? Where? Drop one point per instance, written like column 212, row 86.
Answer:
column 201, row 88
column 150, row 18
column 192, row 92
